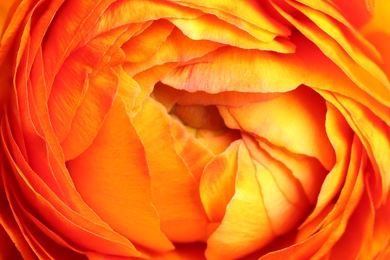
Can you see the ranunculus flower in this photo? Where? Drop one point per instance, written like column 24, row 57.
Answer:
column 190, row 129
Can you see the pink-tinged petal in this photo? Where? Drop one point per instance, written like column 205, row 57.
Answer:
column 91, row 113
column 319, row 244
column 246, row 226
column 112, row 178
column 353, row 66
column 218, row 181
column 357, row 238
column 270, row 72
column 301, row 111
column 146, row 44
column 349, row 199
column 193, row 251
column 74, row 81
column 380, row 18
column 283, row 195
column 174, row 188
column 176, row 48
column 82, row 227
column 357, row 12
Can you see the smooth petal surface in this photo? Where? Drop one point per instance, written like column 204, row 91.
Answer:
column 281, row 120
column 174, row 189
column 112, row 177
column 217, row 185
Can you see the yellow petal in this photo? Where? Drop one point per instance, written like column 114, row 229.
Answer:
column 72, row 220
column 294, row 120
column 246, row 226
column 340, row 135
column 218, row 181
column 246, row 15
column 268, row 72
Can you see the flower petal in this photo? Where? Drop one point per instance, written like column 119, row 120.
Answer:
column 246, row 226
column 301, row 111
column 112, row 178
column 174, row 189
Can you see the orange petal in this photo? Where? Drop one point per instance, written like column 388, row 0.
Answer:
column 349, row 199
column 303, row 114
column 8, row 249
column 357, row 238
column 218, row 181
column 303, row 250
column 269, row 72
column 194, row 251
column 246, row 226
column 112, row 177
column 176, row 48
column 380, row 237
column 76, row 78
column 174, row 189
column 319, row 244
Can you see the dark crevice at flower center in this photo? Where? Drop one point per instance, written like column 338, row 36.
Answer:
column 200, row 117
